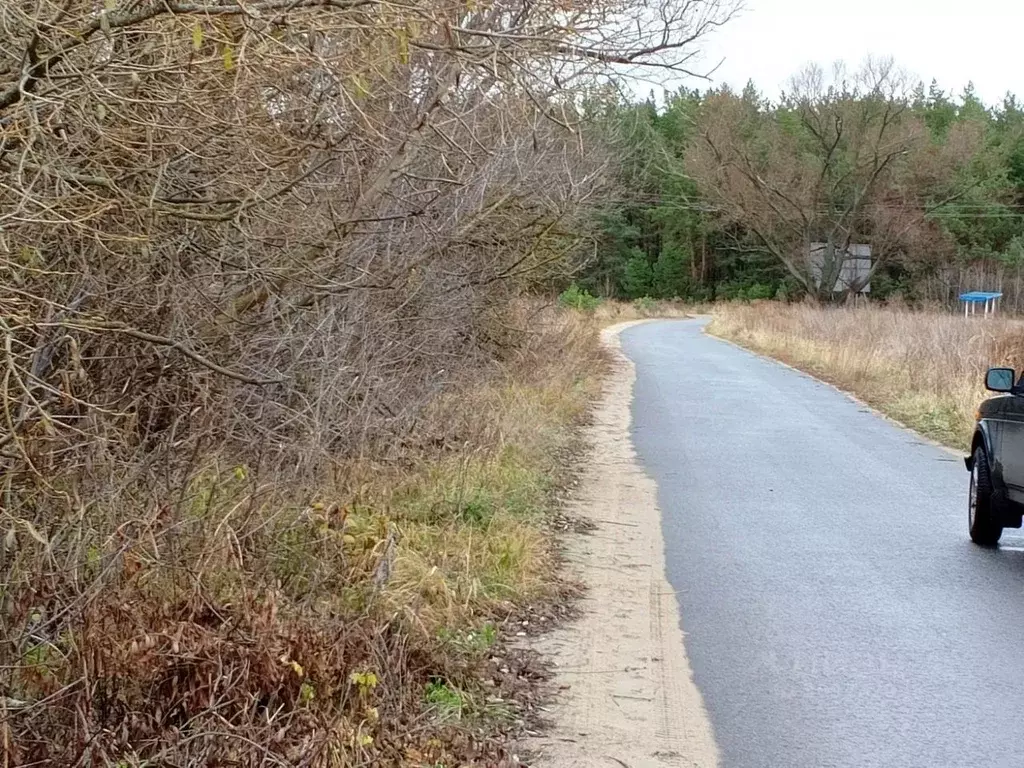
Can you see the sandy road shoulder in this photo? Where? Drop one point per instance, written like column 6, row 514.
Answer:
column 628, row 696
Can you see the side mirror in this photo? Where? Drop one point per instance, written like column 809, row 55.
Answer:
column 1000, row 379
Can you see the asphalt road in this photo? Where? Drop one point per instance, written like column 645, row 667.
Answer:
column 835, row 612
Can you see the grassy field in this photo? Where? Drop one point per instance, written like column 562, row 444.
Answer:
column 924, row 369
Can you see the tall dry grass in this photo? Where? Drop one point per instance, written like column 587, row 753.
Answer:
column 609, row 312
column 925, row 369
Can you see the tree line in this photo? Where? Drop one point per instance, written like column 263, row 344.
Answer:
column 726, row 194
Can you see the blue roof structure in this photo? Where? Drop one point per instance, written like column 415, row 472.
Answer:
column 977, row 297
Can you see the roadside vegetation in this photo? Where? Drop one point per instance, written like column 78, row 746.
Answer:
column 299, row 305
column 609, row 311
column 924, row 369
column 284, row 403
column 360, row 615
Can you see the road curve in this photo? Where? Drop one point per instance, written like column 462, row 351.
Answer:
column 835, row 612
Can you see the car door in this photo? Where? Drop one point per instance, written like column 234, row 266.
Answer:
column 1011, row 449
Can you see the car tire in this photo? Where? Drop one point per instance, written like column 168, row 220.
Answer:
column 982, row 516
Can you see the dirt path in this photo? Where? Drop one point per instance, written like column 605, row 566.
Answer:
column 628, row 697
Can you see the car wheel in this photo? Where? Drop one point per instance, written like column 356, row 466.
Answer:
column 981, row 513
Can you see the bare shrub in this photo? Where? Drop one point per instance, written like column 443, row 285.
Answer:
column 247, row 247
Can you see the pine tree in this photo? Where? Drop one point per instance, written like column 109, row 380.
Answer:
column 971, row 107
column 671, row 272
column 639, row 277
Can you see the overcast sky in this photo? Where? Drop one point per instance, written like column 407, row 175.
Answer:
column 951, row 40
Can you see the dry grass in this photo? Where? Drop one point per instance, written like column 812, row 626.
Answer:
column 924, row 369
column 609, row 312
column 347, row 622
column 473, row 538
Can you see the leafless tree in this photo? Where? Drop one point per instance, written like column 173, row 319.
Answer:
column 832, row 164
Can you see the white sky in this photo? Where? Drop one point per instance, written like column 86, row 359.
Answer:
column 951, row 40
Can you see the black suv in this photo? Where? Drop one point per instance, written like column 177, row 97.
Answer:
column 996, row 462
